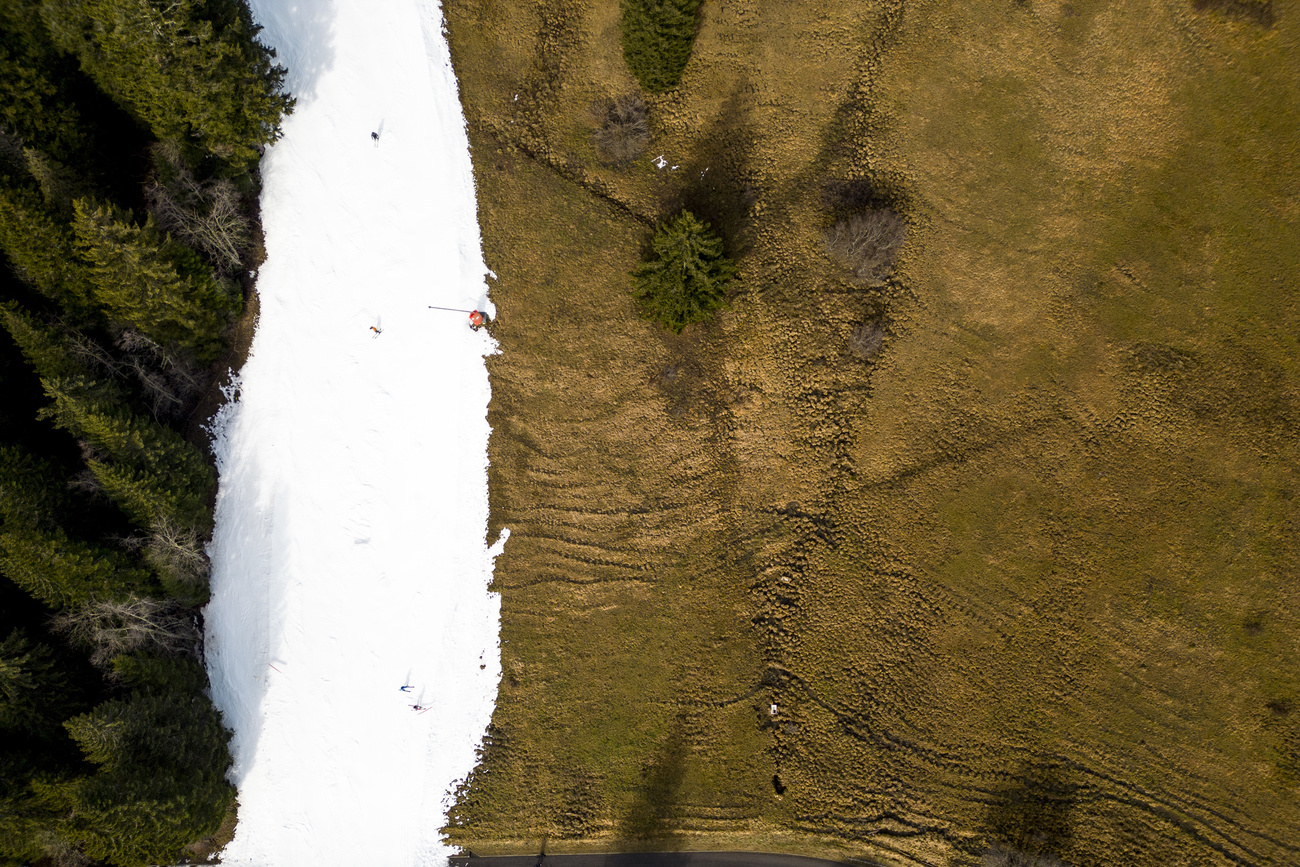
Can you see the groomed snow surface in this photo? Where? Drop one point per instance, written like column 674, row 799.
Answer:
column 349, row 556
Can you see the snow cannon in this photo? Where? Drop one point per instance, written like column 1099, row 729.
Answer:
column 477, row 319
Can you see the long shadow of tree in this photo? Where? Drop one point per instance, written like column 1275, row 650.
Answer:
column 718, row 187
column 651, row 817
column 1033, row 814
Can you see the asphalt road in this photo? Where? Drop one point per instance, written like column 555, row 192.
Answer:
column 651, row 859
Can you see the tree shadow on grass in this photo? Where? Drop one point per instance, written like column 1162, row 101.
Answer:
column 651, row 817
column 1033, row 814
column 718, row 185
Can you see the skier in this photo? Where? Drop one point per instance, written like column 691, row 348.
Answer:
column 406, row 688
column 416, row 707
column 376, row 329
column 374, row 137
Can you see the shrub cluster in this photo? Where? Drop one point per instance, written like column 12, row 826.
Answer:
column 624, row 129
column 867, row 243
column 657, row 39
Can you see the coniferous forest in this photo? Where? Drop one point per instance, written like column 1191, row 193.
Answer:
column 129, row 137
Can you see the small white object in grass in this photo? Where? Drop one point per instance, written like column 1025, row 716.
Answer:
column 785, row 579
column 659, row 161
column 772, row 710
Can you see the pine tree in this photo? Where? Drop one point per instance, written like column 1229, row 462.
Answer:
column 44, row 348
column 688, row 277
column 32, row 803
column 32, row 492
column 148, row 468
column 188, row 78
column 144, row 279
column 657, row 39
column 59, row 184
column 33, row 101
column 35, row 695
column 62, row 572
column 161, row 784
column 42, row 249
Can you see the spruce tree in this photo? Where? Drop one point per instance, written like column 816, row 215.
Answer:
column 162, row 761
column 44, row 347
column 35, row 694
column 189, row 78
column 62, row 572
column 688, row 276
column 34, row 99
column 32, row 803
column 42, row 249
column 32, row 490
column 144, row 279
column 148, row 468
column 657, row 39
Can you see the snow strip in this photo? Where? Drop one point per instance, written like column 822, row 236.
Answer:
column 349, row 557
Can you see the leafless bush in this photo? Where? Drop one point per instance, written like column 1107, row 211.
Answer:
column 207, row 215
column 113, row 627
column 86, row 483
column 624, row 129
column 867, row 243
column 59, row 852
column 866, row 339
column 89, row 352
column 178, row 552
column 169, row 381
column 1004, row 856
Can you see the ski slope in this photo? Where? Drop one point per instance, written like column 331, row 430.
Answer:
column 349, row 556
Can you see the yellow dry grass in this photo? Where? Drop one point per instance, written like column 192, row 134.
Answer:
column 1029, row 575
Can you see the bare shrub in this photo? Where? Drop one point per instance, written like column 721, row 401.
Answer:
column 86, row 483
column 207, row 215
column 116, row 626
column 168, row 380
column 60, row 852
column 178, row 553
column 624, row 129
column 867, row 243
column 865, row 340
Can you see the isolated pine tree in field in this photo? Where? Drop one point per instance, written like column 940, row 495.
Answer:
column 688, row 276
column 146, row 280
column 41, row 248
column 657, row 39
column 193, row 71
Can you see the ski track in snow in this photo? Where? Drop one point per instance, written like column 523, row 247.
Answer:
column 349, row 555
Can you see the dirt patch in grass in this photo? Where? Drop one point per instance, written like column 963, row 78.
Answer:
column 1027, row 576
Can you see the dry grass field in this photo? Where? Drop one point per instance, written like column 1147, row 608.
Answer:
column 1028, row 574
